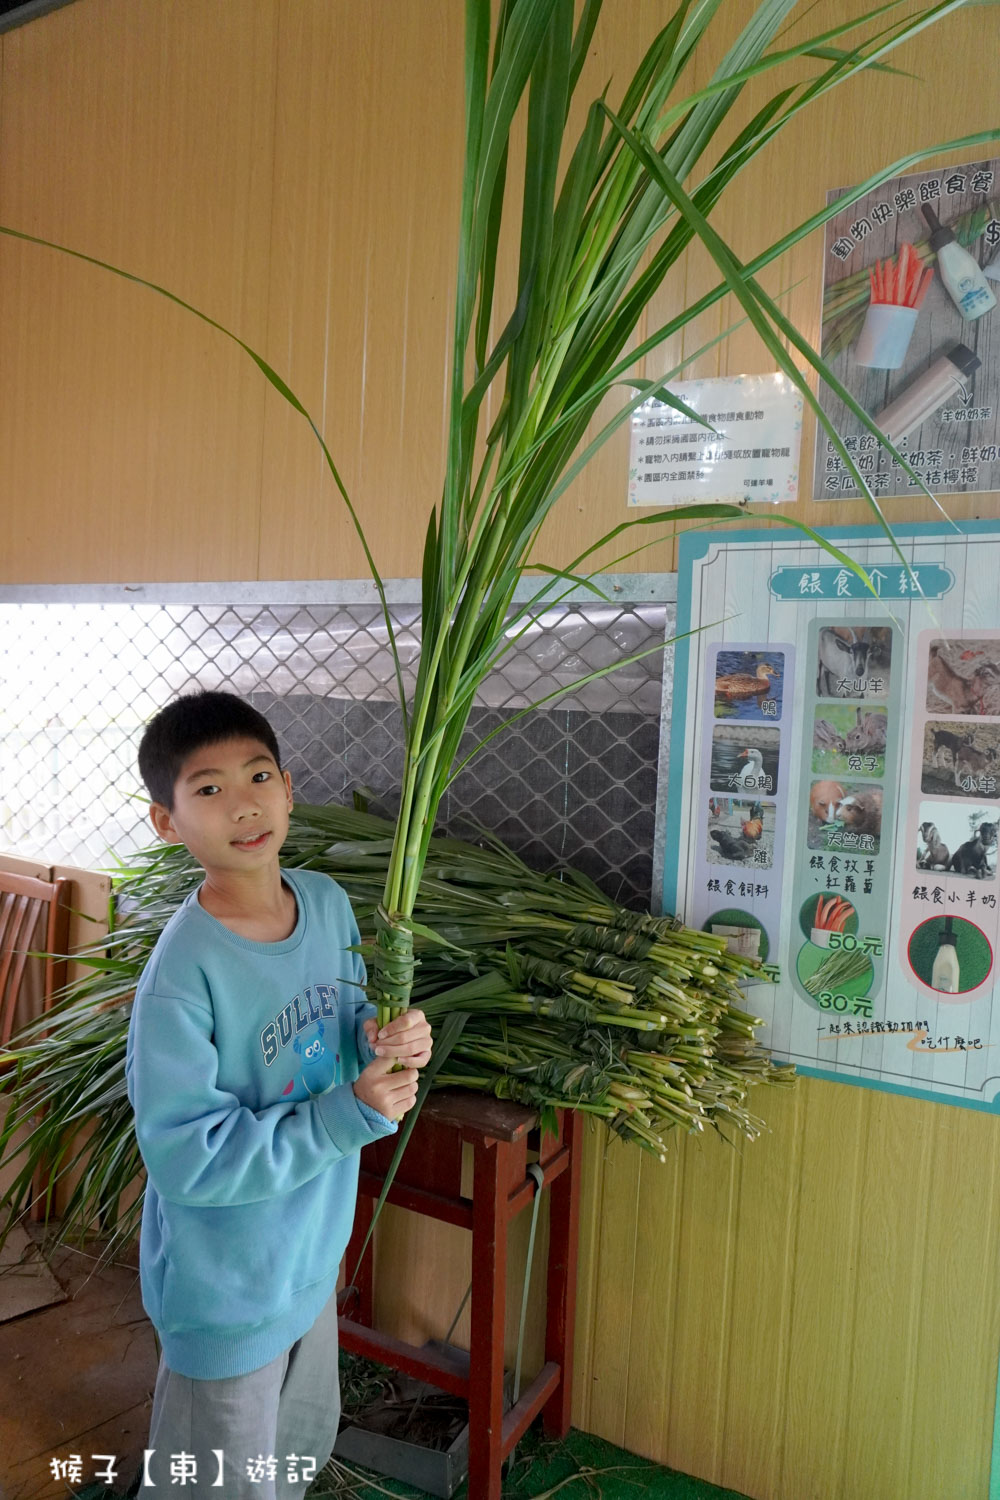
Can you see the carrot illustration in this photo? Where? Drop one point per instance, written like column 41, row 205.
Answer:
column 902, row 281
column 832, row 913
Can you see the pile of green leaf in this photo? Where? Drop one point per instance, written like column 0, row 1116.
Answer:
column 539, row 988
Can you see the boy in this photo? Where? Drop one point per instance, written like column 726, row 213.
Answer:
column 256, row 1073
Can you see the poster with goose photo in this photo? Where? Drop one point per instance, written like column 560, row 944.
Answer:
column 832, row 807
column 911, row 329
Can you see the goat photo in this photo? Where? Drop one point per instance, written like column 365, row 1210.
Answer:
column 963, row 676
column 956, row 839
column 853, row 661
column 960, row 761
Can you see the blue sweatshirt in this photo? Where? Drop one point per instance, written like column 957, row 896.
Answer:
column 240, row 1061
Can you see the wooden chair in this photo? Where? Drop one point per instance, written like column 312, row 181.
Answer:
column 34, row 918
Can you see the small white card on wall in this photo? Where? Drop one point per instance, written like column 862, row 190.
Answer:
column 753, row 454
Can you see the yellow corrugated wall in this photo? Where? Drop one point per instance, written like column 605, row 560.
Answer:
column 816, row 1315
column 811, row 1317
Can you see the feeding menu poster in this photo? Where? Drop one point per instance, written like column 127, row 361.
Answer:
column 834, row 794
column 911, row 328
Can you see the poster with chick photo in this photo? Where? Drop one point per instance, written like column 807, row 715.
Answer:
column 911, row 327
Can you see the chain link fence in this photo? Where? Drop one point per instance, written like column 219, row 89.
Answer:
column 570, row 781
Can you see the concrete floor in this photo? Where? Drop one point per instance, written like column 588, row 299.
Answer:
column 76, row 1378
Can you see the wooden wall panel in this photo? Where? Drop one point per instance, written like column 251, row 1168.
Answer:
column 617, row 1249
column 142, row 135
column 655, row 1307
column 764, row 1263
column 367, row 179
column 704, row 1290
column 587, row 1299
column 887, row 1275
column 294, row 169
column 955, row 1347
column 811, row 1315
column 825, row 1293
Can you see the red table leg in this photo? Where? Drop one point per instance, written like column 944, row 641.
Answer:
column 489, row 1294
column 429, row 1182
column 564, row 1224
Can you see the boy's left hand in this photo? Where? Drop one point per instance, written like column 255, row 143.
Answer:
column 407, row 1039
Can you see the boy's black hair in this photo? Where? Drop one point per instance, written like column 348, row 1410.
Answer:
column 189, row 724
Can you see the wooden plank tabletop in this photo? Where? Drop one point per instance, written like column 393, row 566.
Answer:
column 468, row 1110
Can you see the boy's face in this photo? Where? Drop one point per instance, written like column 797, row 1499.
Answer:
column 231, row 806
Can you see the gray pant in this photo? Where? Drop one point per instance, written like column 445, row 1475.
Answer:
column 287, row 1410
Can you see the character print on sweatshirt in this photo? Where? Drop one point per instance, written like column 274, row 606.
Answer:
column 302, row 1014
column 320, row 1067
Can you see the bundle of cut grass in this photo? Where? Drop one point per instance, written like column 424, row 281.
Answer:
column 549, row 993
column 572, row 999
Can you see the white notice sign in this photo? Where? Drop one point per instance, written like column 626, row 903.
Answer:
column 753, row 454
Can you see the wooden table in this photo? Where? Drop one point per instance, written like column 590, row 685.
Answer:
column 429, row 1182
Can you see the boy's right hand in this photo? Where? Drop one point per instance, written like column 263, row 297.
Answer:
column 391, row 1093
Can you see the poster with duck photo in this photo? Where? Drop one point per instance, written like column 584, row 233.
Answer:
column 748, row 685
column 910, row 328
column 833, row 804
